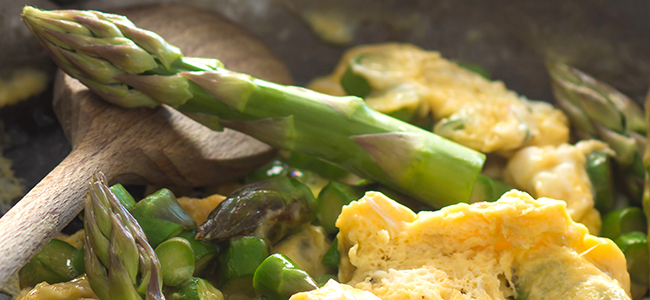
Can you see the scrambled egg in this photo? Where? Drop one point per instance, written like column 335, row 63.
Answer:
column 306, row 249
column 22, row 84
column 200, row 208
column 516, row 247
column 469, row 109
column 558, row 172
column 77, row 289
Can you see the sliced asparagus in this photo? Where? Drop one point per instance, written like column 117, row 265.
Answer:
column 635, row 247
column 599, row 169
column 197, row 289
column 204, row 253
column 132, row 67
column 331, row 200
column 242, row 257
column 278, row 278
column 120, row 262
column 623, row 221
column 332, row 256
column 161, row 217
column 57, row 262
column 176, row 260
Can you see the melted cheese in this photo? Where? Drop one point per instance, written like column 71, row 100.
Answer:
column 471, row 110
column 479, row 251
column 558, row 172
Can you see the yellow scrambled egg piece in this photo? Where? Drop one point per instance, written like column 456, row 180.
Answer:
column 22, row 84
column 77, row 289
column 514, row 247
column 200, row 208
column 558, row 172
column 469, row 109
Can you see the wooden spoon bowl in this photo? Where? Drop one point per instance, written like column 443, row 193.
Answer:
column 139, row 146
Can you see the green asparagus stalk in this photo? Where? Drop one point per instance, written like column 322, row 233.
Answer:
column 132, row 67
column 597, row 110
column 120, row 263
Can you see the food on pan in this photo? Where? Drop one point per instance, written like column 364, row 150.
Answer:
column 286, row 235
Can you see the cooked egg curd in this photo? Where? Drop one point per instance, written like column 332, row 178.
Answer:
column 516, row 247
column 469, row 109
column 558, row 172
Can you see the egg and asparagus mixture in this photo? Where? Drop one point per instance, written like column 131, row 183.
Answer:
column 515, row 247
column 410, row 83
column 300, row 226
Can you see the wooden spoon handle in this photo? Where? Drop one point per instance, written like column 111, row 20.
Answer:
column 44, row 211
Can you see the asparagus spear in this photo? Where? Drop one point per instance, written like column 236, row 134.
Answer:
column 265, row 209
column 597, row 110
column 120, row 263
column 132, row 67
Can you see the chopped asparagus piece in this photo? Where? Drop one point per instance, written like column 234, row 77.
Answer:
column 599, row 169
column 488, row 189
column 204, row 253
column 177, row 261
column 353, row 83
column 274, row 168
column 330, row 201
column 333, row 256
column 197, row 289
column 266, row 209
column 242, row 257
column 322, row 280
column 474, row 68
column 278, row 278
column 57, row 262
column 124, row 196
column 161, row 217
column 635, row 247
column 622, row 221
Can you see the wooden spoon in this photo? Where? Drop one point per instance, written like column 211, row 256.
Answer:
column 139, row 146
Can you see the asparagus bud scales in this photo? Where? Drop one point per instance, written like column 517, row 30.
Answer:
column 120, row 263
column 341, row 130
